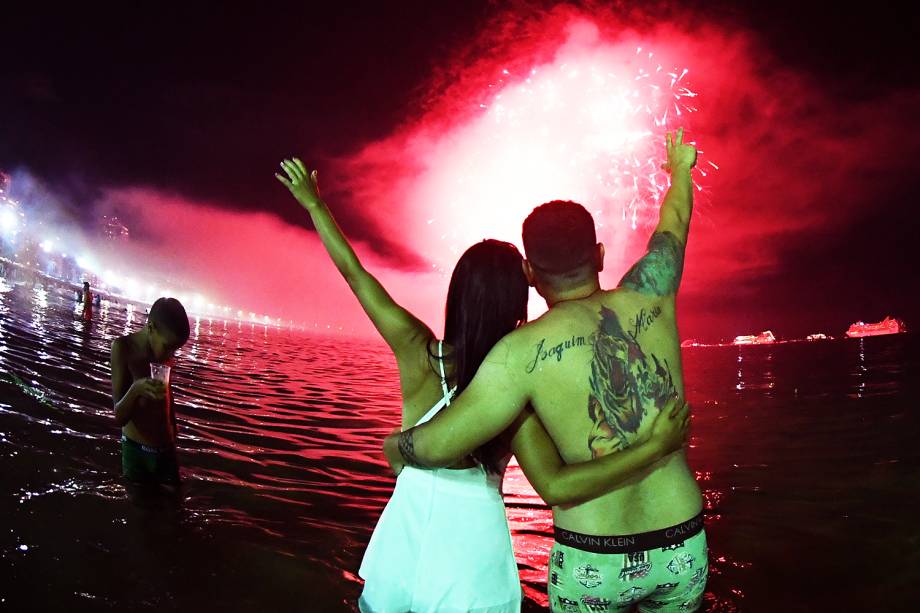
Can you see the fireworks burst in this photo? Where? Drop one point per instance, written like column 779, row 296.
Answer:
column 587, row 127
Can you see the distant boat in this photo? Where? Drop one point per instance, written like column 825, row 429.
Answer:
column 764, row 338
column 691, row 342
column 817, row 337
column 889, row 325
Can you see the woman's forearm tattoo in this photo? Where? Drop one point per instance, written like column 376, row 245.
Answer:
column 407, row 447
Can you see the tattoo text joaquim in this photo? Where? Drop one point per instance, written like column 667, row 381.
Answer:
column 556, row 351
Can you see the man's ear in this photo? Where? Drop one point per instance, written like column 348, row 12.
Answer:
column 528, row 272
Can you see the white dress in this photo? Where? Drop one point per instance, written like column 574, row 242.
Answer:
column 442, row 543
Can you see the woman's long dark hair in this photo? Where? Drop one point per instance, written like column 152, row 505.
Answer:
column 486, row 300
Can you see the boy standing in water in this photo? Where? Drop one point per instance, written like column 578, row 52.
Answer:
column 141, row 395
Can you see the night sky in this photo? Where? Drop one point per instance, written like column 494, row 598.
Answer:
column 810, row 224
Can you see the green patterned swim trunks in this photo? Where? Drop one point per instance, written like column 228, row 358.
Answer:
column 660, row 571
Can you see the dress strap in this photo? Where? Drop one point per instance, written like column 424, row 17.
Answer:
column 448, row 393
column 434, row 410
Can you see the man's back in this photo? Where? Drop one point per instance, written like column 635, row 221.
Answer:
column 598, row 370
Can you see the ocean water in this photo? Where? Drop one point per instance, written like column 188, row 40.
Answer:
column 808, row 455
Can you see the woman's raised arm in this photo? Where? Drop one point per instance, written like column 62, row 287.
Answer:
column 398, row 327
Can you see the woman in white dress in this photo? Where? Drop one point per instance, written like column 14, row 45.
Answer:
column 442, row 543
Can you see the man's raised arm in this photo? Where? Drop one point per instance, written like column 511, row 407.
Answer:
column 485, row 408
column 659, row 271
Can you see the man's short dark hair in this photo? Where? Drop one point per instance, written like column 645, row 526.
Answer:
column 559, row 237
column 169, row 314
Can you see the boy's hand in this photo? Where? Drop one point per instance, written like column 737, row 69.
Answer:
column 671, row 427
column 303, row 185
column 154, row 389
column 680, row 156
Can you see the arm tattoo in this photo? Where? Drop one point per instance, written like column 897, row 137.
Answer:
column 407, row 448
column 658, row 272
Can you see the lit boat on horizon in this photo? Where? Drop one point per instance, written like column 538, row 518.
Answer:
column 889, row 325
column 817, row 337
column 764, row 338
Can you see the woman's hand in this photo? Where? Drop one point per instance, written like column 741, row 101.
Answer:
column 391, row 451
column 301, row 184
column 671, row 428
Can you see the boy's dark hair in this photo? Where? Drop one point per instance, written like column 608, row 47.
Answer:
column 169, row 314
column 559, row 237
column 86, row 284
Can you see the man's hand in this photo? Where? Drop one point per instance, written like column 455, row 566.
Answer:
column 671, row 427
column 680, row 156
column 303, row 185
column 391, row 452
column 154, row 389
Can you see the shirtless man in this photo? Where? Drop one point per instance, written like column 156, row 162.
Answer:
column 596, row 368
column 144, row 406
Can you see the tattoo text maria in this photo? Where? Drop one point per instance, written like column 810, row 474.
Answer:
column 643, row 321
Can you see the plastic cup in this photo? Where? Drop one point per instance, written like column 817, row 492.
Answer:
column 160, row 372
